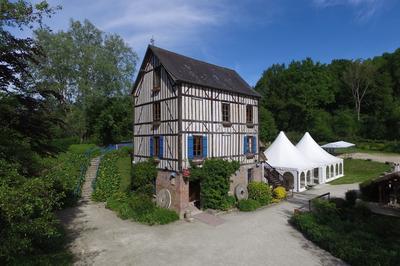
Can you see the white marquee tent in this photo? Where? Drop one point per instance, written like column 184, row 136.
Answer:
column 329, row 166
column 288, row 160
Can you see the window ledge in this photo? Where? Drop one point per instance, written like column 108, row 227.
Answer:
column 198, row 161
column 227, row 124
column 156, row 159
column 250, row 155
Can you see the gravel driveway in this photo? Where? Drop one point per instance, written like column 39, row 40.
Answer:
column 263, row 237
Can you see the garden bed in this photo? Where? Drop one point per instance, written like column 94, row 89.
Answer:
column 351, row 233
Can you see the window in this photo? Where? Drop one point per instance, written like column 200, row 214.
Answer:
column 249, row 175
column 156, row 145
column 226, row 114
column 250, row 145
column 157, row 111
column 250, row 140
column 197, row 146
column 157, row 78
column 249, row 114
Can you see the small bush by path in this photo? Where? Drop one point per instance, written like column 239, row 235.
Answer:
column 248, row 205
column 140, row 208
column 260, row 192
column 357, row 171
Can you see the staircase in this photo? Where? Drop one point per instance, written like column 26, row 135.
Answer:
column 274, row 177
column 90, row 176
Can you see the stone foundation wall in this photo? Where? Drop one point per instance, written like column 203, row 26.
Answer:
column 240, row 177
column 177, row 186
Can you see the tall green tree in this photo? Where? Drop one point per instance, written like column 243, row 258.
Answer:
column 27, row 118
column 89, row 69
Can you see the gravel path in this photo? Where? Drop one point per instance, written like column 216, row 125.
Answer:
column 263, row 237
column 379, row 157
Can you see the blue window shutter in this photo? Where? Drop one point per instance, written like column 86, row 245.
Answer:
column 151, row 146
column 161, row 151
column 254, row 144
column 245, row 145
column 204, row 146
column 190, row 147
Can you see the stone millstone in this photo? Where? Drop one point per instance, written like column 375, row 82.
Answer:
column 241, row 192
column 163, row 198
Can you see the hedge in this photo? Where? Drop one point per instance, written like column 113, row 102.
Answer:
column 352, row 233
column 248, row 205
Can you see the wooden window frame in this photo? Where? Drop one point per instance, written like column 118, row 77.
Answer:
column 198, row 147
column 249, row 115
column 226, row 114
column 157, row 79
column 250, row 153
column 156, row 113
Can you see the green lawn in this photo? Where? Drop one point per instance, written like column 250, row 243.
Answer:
column 124, row 168
column 357, row 171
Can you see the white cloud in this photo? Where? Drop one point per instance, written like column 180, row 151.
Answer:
column 169, row 22
column 364, row 9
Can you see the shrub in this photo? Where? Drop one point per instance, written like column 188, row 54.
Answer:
column 357, row 237
column 325, row 211
column 248, row 205
column 108, row 178
column 339, row 202
column 260, row 192
column 351, row 197
column 229, row 202
column 214, row 180
column 27, row 224
column 143, row 176
column 279, row 193
column 369, row 191
column 140, row 208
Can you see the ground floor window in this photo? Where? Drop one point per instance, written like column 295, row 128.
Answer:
column 327, row 172
column 249, row 175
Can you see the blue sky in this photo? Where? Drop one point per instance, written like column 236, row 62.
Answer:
column 248, row 36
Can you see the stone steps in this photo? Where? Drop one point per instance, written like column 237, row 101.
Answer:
column 89, row 177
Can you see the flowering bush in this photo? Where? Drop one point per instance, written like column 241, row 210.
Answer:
column 279, row 193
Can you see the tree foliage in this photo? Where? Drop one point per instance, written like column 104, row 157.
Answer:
column 93, row 73
column 346, row 98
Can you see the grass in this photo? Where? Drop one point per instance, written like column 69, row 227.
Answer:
column 124, row 169
column 357, row 171
column 81, row 148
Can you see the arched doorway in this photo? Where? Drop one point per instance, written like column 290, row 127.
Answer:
column 341, row 168
column 308, row 177
column 288, row 180
column 332, row 171
column 302, row 180
column 327, row 172
column 337, row 169
column 316, row 175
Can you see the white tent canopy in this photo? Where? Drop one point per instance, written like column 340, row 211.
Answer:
column 338, row 144
column 312, row 151
column 283, row 154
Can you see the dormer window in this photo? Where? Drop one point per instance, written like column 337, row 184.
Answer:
column 157, row 79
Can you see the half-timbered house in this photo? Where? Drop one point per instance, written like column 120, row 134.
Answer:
column 188, row 110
